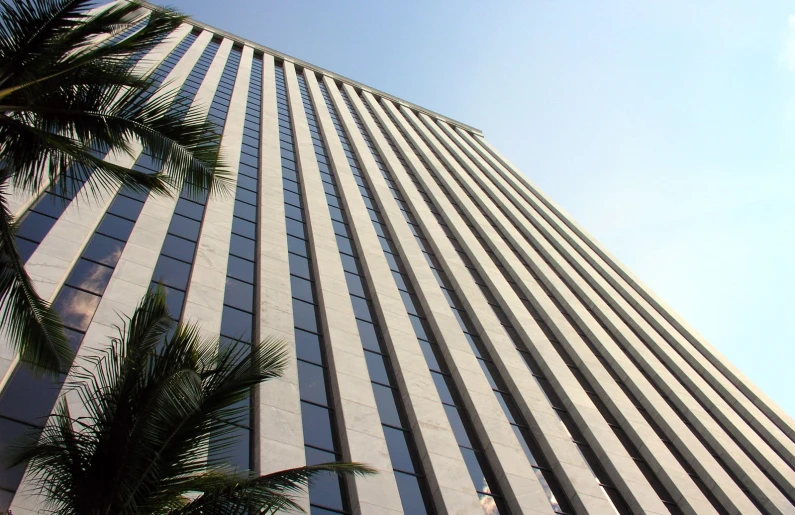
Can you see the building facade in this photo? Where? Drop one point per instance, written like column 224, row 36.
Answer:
column 449, row 324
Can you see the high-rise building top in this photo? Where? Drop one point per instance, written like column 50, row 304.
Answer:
column 449, row 324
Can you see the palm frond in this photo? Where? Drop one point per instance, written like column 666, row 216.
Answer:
column 33, row 327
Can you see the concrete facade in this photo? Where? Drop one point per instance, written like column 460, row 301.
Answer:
column 534, row 373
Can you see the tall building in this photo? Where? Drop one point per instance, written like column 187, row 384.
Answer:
column 449, row 324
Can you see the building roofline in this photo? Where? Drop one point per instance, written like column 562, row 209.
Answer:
column 305, row 64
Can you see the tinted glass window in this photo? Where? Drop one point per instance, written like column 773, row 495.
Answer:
column 104, row 250
column 301, row 288
column 475, row 472
column 179, row 248
column 307, row 346
column 76, row 307
column 326, row 488
column 311, row 382
column 368, row 335
column 242, row 269
column 243, row 247
column 115, row 226
column 235, row 450
column 412, row 496
column 35, row 226
column 239, row 294
column 236, row 324
column 398, row 442
column 90, row 276
column 171, row 272
column 304, row 315
column 458, row 425
column 185, row 227
column 244, row 228
column 317, row 426
column 387, row 406
column 377, row 367
column 299, row 266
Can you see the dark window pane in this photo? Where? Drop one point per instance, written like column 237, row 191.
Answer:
column 115, row 226
column 11, row 433
column 297, row 246
column 301, row 289
column 232, row 449
column 28, row 398
column 190, row 209
column 307, row 346
column 26, row 248
column 350, row 264
column 126, row 207
column 355, row 285
column 35, row 226
column 50, row 205
column 299, row 266
column 242, row 269
column 104, row 250
column 185, row 227
column 490, row 371
column 387, row 405
column 239, row 294
column 368, row 335
column 244, row 228
column 454, row 416
column 398, row 443
column 326, row 489
column 304, row 315
column 471, row 458
column 312, row 383
column 362, row 308
column 174, row 300
column 244, row 195
column 236, row 324
column 243, row 247
column 413, row 497
column 90, row 276
column 246, row 211
column 75, row 307
column 179, row 248
column 377, row 366
column 295, row 228
column 345, row 244
column 430, row 358
column 247, row 182
column 171, row 272
column 317, row 426
column 420, row 327
column 443, row 385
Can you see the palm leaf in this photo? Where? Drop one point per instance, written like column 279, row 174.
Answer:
column 33, row 327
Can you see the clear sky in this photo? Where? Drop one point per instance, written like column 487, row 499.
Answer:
column 666, row 129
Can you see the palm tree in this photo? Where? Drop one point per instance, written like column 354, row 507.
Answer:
column 69, row 86
column 152, row 402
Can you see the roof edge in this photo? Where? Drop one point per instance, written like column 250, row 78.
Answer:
column 311, row 66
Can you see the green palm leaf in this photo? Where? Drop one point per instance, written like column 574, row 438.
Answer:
column 69, row 84
column 152, row 402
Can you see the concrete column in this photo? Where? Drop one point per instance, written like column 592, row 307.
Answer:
column 365, row 424
column 347, row 367
column 204, row 298
column 436, row 443
column 278, row 429
column 512, row 470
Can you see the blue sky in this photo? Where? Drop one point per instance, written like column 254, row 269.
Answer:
column 666, row 129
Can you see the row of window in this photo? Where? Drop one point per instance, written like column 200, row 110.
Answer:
column 327, row 494
column 237, row 319
column 175, row 262
column 531, row 448
column 407, row 468
column 469, row 445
